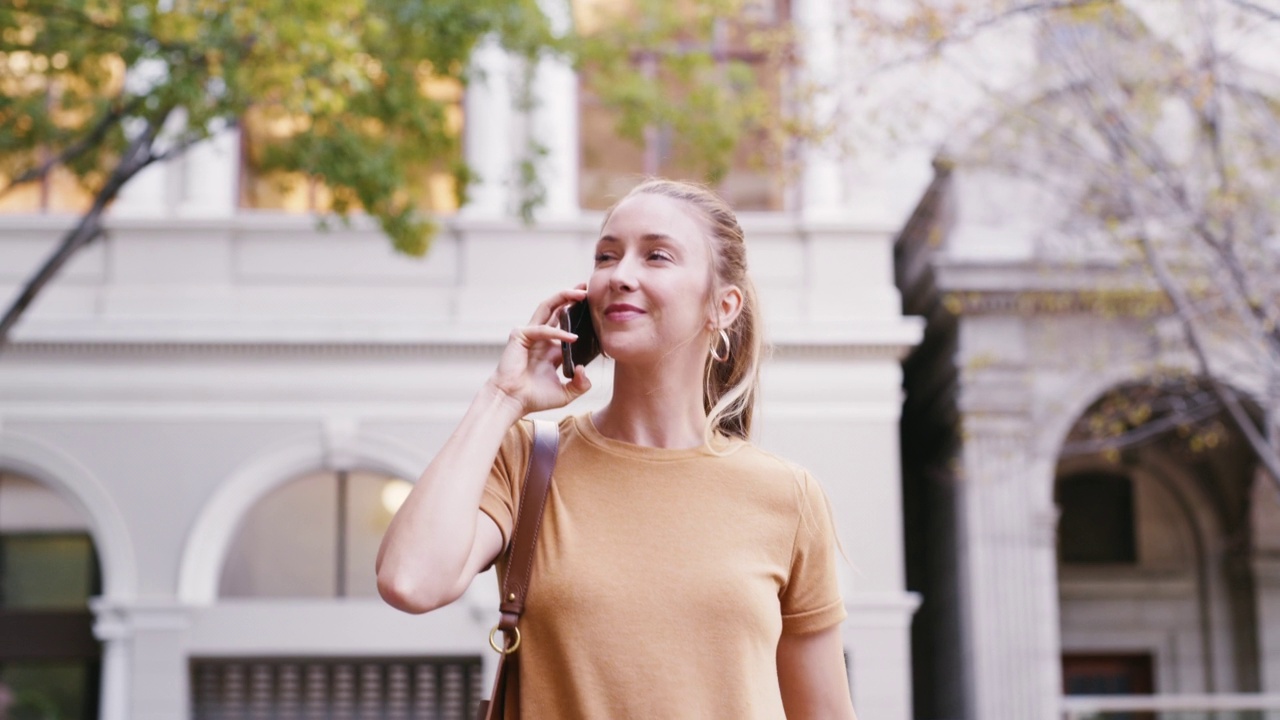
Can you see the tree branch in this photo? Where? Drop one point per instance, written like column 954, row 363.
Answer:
column 1265, row 453
column 78, row 148
column 179, row 147
column 980, row 26
column 133, row 34
column 1146, row 431
column 1112, row 123
column 136, row 158
column 1255, row 8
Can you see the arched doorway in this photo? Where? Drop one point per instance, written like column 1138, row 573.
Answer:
column 1156, row 591
column 50, row 661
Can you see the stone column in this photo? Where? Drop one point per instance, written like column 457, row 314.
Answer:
column 147, row 194
column 110, row 627
column 1265, row 507
column 1008, row 567
column 1266, row 578
column 487, row 115
column 554, row 121
column 822, row 193
column 144, row 669
column 158, row 662
column 834, row 406
column 880, row 676
column 210, row 177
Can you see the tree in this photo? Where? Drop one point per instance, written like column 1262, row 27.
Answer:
column 105, row 88
column 1155, row 127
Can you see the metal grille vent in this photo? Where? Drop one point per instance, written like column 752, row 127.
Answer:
column 335, row 689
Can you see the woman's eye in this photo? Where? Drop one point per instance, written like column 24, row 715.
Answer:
column 660, row 255
column 603, row 257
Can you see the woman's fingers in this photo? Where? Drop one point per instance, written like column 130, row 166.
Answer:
column 528, row 369
column 547, row 309
column 537, row 333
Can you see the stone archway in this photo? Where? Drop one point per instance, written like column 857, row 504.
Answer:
column 1183, row 597
column 77, row 484
column 80, row 489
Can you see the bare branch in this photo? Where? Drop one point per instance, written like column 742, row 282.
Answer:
column 1141, row 434
column 1257, row 9
column 1112, row 122
column 179, row 147
column 982, row 25
column 1265, row 453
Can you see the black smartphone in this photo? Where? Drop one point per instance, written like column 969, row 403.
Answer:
column 577, row 319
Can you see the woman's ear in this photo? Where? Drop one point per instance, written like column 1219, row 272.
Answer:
column 727, row 308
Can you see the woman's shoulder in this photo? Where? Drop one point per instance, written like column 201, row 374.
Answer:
column 763, row 466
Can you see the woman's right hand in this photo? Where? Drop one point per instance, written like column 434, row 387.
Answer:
column 528, row 372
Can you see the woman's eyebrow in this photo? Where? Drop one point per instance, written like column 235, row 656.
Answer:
column 647, row 237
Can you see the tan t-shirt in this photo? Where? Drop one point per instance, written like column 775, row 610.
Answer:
column 662, row 579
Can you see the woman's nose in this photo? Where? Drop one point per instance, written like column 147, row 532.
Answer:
column 623, row 277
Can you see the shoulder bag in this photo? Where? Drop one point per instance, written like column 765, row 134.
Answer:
column 515, row 586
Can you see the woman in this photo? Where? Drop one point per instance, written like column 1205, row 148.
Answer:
column 680, row 572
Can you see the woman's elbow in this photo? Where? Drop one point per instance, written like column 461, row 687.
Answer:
column 411, row 595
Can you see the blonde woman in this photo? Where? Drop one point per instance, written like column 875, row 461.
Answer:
column 680, row 572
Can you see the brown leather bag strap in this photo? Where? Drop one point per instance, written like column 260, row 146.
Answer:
column 505, row 697
column 533, row 499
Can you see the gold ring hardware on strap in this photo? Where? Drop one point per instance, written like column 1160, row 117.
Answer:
column 510, row 648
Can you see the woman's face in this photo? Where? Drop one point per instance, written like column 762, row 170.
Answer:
column 650, row 288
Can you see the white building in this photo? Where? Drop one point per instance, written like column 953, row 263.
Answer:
column 206, row 421
column 1049, row 567
column 219, row 402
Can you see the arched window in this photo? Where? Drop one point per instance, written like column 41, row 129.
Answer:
column 1096, row 524
column 49, row 658
column 315, row 536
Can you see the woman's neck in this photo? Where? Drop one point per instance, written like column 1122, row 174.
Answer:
column 654, row 407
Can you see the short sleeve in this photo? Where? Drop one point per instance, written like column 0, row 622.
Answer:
column 811, row 597
column 503, row 485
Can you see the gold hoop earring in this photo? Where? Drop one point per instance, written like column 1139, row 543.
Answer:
column 715, row 346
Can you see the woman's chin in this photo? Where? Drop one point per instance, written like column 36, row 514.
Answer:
column 626, row 353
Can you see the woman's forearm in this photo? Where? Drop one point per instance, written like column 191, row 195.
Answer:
column 424, row 552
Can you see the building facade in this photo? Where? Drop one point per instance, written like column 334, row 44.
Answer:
column 207, row 419
column 1052, row 564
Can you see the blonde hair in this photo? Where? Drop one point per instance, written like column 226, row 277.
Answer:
column 731, row 386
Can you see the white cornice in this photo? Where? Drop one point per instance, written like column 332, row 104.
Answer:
column 586, row 222
column 1033, row 275
column 230, row 336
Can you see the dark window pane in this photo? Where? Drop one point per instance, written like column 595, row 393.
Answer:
column 1096, row 525
column 1110, row 675
column 39, row 571
column 49, row 690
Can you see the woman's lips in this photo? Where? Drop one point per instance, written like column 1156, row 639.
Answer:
column 621, row 312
